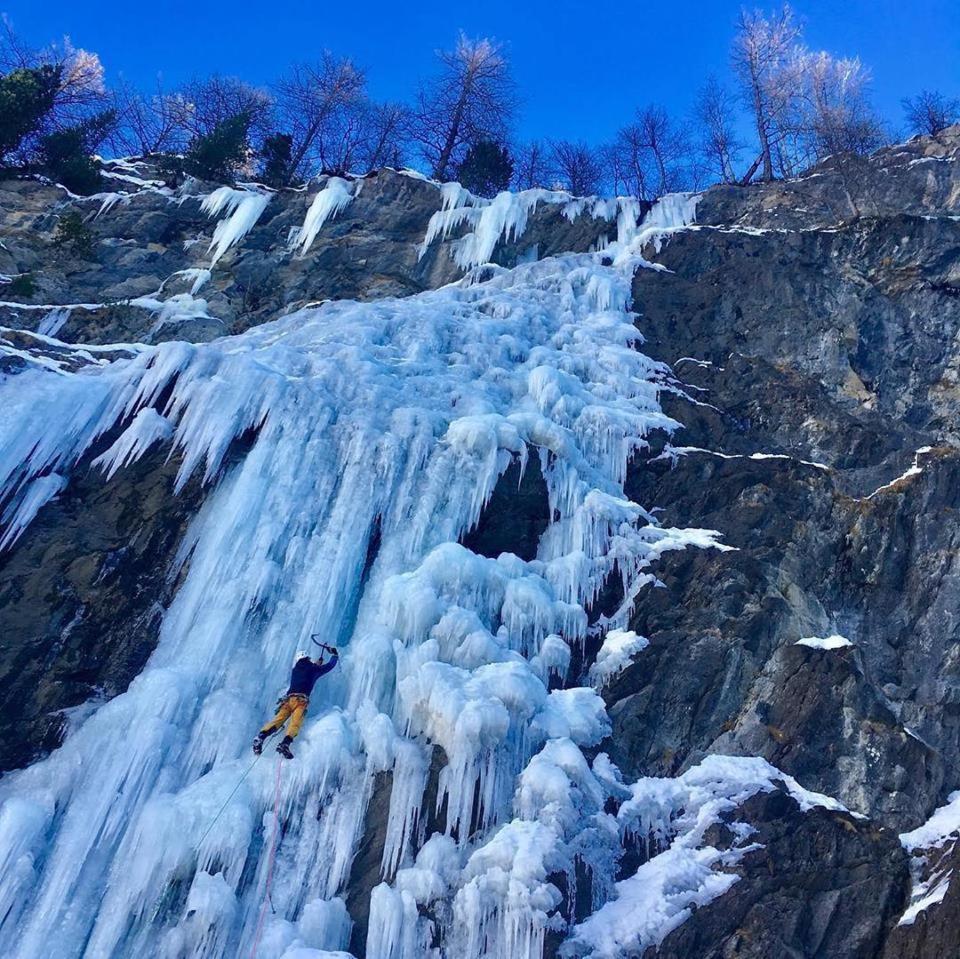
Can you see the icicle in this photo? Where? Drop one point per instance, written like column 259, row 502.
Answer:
column 242, row 208
column 330, row 201
column 17, row 517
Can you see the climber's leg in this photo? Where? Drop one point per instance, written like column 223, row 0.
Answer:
column 283, row 713
column 297, row 715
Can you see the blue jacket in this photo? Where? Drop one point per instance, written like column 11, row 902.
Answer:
column 306, row 673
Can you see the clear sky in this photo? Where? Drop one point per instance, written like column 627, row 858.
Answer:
column 582, row 67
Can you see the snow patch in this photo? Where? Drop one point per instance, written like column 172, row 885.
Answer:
column 915, row 469
column 931, row 846
column 671, row 817
column 826, row 643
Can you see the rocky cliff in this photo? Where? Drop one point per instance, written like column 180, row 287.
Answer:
column 773, row 629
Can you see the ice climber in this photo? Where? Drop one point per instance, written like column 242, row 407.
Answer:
column 294, row 703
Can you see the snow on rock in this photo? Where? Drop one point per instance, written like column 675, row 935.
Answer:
column 374, row 435
column 930, row 846
column 328, row 202
column 915, row 469
column 672, row 453
column 240, row 210
column 672, row 816
column 651, row 904
column 617, row 652
column 826, row 643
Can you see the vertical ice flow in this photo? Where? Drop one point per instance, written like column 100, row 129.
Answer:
column 382, row 423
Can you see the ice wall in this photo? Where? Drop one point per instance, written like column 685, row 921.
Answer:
column 386, row 422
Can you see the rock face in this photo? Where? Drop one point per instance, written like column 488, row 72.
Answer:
column 813, row 331
column 81, row 601
column 147, row 242
column 844, row 885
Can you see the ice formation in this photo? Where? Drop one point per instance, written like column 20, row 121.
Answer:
column 505, row 217
column 327, row 203
column 239, row 211
column 54, row 321
column 374, row 435
column 619, row 648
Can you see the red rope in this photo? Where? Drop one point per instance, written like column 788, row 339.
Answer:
column 270, row 862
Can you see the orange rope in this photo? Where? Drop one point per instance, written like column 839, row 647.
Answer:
column 270, row 862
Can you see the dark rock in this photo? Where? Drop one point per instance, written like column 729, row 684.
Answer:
column 516, row 515
column 822, row 885
column 935, row 931
column 365, row 868
column 82, row 594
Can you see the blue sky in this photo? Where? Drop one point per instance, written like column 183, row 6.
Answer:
column 582, row 67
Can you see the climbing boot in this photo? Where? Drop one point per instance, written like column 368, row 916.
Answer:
column 284, row 748
column 258, row 743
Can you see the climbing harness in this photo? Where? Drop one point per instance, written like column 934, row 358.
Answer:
column 270, row 862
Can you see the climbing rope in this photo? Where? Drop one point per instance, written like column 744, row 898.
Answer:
column 270, row 862
column 227, row 801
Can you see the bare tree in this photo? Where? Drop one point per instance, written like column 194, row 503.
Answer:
column 319, row 105
column 628, row 161
column 764, row 66
column 387, row 135
column 576, row 167
column 203, row 104
column 650, row 156
column 147, row 123
column 837, row 114
column 668, row 147
column 715, row 113
column 334, row 125
column 930, row 112
column 531, row 165
column 472, row 98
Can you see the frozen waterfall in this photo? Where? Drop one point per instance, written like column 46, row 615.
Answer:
column 389, row 421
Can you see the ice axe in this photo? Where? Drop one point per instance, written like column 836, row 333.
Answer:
column 316, row 642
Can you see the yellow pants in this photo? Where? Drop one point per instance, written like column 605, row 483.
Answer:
column 293, row 708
